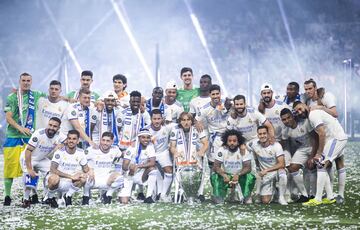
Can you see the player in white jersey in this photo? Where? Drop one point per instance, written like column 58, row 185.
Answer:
column 80, row 116
column 68, row 171
column 332, row 141
column 292, row 94
column 108, row 119
column 300, row 132
column 271, row 165
column 188, row 148
column 317, row 98
column 139, row 167
column 34, row 159
column 198, row 102
column 132, row 120
column 173, row 108
column 52, row 106
column 214, row 115
column 156, row 101
column 246, row 119
column 101, row 161
column 233, row 168
column 160, row 138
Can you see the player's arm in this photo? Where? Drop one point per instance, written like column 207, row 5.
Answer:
column 173, row 150
column 54, row 169
column 280, row 164
column 149, row 163
column 125, row 166
column 271, row 129
column 10, row 120
column 28, row 153
column 76, row 124
column 204, row 146
column 220, row 171
column 332, row 111
column 246, row 168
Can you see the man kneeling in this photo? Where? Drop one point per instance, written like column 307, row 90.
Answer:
column 101, row 161
column 232, row 168
column 139, row 164
column 68, row 171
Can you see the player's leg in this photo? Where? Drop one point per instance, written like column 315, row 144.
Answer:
column 267, row 189
column 219, row 188
column 75, row 186
column 150, row 175
column 247, row 184
column 282, row 186
column 114, row 182
column 52, row 182
column 298, row 162
column 166, row 164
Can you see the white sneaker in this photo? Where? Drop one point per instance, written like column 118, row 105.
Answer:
column 282, row 201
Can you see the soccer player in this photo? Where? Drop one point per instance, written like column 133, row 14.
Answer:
column 270, row 158
column 80, row 116
column 331, row 145
column 69, row 170
column 132, row 120
column 187, row 145
column 52, row 106
column 246, row 119
column 20, row 112
column 188, row 91
column 292, row 94
column 35, row 158
column 160, row 137
column 300, row 132
column 139, row 165
column 86, row 80
column 204, row 98
column 318, row 99
column 120, row 84
column 232, row 168
column 101, row 161
column 108, row 119
column 173, row 108
column 156, row 101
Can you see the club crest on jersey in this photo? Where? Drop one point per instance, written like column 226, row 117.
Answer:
column 93, row 117
column 57, row 156
column 172, row 134
column 220, row 154
column 35, row 139
column 250, row 121
column 119, row 120
column 228, row 122
column 302, row 130
column 277, row 112
column 73, row 113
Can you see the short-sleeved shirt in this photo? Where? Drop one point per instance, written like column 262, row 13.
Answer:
column 332, row 126
column 273, row 115
column 42, row 144
column 248, row 124
column 12, row 106
column 161, row 138
column 197, row 103
column 172, row 112
column 266, row 156
column 215, row 118
column 75, row 95
column 69, row 163
column 135, row 157
column 184, row 96
column 300, row 134
column 100, row 162
column 76, row 112
column 232, row 162
column 104, row 123
column 47, row 109
column 328, row 101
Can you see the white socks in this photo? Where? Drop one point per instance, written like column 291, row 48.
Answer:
column 168, row 177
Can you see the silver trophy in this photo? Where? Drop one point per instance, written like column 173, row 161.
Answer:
column 190, row 180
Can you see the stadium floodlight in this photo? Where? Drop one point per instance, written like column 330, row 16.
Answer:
column 133, row 41
column 202, row 38
column 288, row 31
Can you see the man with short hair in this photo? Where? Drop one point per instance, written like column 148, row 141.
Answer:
column 139, row 165
column 232, row 168
column 20, row 112
column 292, row 94
column 86, row 80
column 173, row 108
column 187, row 91
column 52, row 106
column 34, row 159
column 318, row 99
column 80, row 116
column 204, row 98
column 331, row 145
column 101, row 161
column 69, row 170
column 120, row 84
column 271, row 165
column 156, row 101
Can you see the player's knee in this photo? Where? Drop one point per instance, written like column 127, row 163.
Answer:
column 53, row 182
column 168, row 169
column 339, row 162
column 265, row 199
column 294, row 168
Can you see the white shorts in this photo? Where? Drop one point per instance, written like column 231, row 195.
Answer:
column 101, row 180
column 42, row 166
column 268, row 182
column 64, row 184
column 214, row 147
column 334, row 149
column 164, row 159
column 301, row 156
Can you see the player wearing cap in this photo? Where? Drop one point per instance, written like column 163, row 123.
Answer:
column 139, row 167
column 173, row 108
column 108, row 119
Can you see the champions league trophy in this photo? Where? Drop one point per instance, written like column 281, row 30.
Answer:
column 190, row 179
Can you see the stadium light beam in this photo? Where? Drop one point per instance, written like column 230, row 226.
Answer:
column 291, row 40
column 202, row 38
column 133, row 41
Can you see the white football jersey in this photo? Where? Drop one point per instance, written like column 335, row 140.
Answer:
column 172, row 112
column 42, row 144
column 273, row 115
column 197, row 103
column 232, row 162
column 161, row 138
column 69, row 163
column 47, row 110
column 332, row 126
column 266, row 156
column 300, row 134
column 215, row 118
column 139, row 157
column 103, row 123
column 328, row 101
column 100, row 162
column 248, row 124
